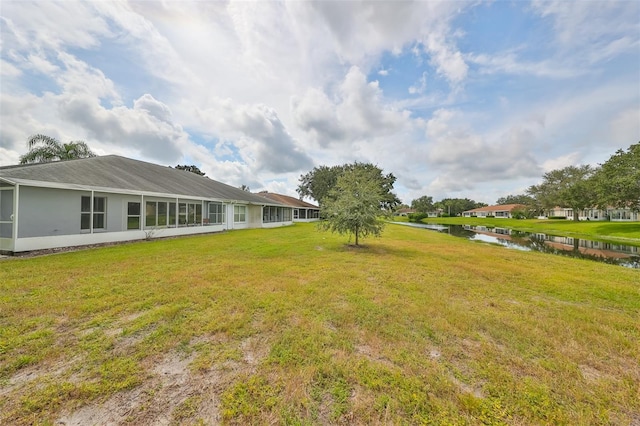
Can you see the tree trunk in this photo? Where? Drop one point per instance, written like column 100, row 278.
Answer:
column 576, row 215
column 356, row 234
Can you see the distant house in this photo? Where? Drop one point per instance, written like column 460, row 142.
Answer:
column 407, row 211
column 111, row 198
column 500, row 211
column 594, row 213
column 622, row 215
column 404, row 211
column 302, row 211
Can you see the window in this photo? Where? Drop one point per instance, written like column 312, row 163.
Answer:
column 156, row 214
column 172, row 214
column 190, row 214
column 182, row 214
column 217, row 213
column 150, row 213
column 276, row 214
column 133, row 216
column 99, row 213
column 162, row 214
column 239, row 213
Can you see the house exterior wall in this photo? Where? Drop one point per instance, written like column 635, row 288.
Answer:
column 48, row 212
column 52, row 218
column 623, row 215
column 592, row 214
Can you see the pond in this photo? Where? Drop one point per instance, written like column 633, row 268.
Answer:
column 613, row 253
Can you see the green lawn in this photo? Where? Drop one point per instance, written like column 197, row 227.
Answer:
column 625, row 232
column 292, row 326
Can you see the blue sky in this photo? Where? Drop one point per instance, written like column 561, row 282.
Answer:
column 456, row 99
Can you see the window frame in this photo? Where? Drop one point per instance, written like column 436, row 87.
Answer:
column 89, row 213
column 239, row 214
column 131, row 216
column 219, row 216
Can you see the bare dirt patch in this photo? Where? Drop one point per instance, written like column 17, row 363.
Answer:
column 174, row 393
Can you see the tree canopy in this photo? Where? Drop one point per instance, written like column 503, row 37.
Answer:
column 455, row 206
column 618, row 180
column 568, row 187
column 191, row 168
column 44, row 149
column 525, row 199
column 423, row 204
column 353, row 205
column 320, row 181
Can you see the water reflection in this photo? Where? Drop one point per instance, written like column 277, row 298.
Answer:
column 617, row 254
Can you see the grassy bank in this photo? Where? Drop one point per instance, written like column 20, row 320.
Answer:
column 291, row 326
column 625, row 232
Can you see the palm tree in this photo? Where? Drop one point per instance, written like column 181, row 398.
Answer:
column 43, row 149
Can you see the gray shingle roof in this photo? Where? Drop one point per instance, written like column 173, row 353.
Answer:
column 121, row 173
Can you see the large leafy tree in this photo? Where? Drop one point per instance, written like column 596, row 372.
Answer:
column 353, row 205
column 618, row 180
column 44, row 149
column 191, row 168
column 572, row 186
column 423, row 204
column 320, row 181
column 525, row 199
column 455, row 206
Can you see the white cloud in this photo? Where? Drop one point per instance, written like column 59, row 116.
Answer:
column 465, row 157
column 570, row 159
column 509, row 63
column 263, row 141
column 259, row 92
column 358, row 112
column 625, row 127
column 446, row 58
column 581, row 23
column 421, row 85
column 135, row 128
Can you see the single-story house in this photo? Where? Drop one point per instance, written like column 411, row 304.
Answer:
column 404, row 211
column 302, row 211
column 594, row 213
column 112, row 198
column 500, row 211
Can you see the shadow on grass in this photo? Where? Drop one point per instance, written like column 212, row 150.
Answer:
column 377, row 250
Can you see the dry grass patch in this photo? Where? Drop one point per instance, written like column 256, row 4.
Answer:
column 292, row 326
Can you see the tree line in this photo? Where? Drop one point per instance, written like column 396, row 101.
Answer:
column 615, row 183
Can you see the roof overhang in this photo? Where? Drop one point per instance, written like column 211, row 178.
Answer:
column 78, row 187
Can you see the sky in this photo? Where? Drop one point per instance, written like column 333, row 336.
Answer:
column 458, row 99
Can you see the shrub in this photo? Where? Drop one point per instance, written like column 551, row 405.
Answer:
column 417, row 217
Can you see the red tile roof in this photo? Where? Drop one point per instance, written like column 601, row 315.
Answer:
column 287, row 200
